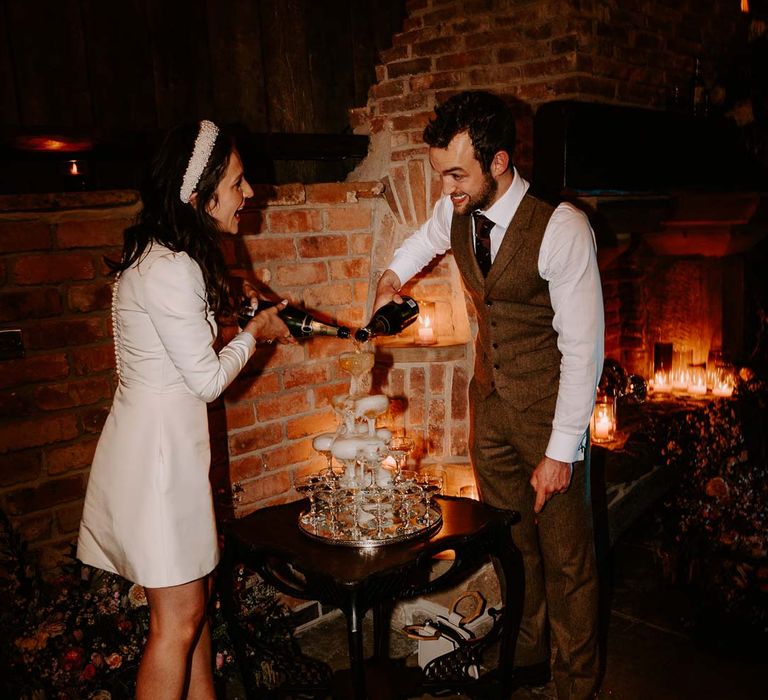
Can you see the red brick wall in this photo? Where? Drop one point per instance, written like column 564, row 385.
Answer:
column 53, row 402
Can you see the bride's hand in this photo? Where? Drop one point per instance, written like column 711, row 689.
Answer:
column 266, row 326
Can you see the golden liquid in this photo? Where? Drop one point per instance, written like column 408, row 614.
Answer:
column 356, row 363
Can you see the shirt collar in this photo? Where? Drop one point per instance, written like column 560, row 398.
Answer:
column 504, row 208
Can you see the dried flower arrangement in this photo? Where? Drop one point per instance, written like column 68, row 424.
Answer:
column 717, row 516
column 79, row 634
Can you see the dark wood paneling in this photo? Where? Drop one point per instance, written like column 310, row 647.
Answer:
column 331, row 70
column 286, row 65
column 182, row 67
column 119, row 57
column 9, row 108
column 48, row 57
column 123, row 71
column 236, row 60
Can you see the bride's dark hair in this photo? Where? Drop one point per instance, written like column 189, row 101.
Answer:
column 181, row 227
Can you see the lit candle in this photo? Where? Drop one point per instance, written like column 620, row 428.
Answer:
column 425, row 334
column 661, row 383
column 722, row 389
column 697, row 381
column 603, row 427
column 681, row 379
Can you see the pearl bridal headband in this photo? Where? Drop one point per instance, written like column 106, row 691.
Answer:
column 201, row 152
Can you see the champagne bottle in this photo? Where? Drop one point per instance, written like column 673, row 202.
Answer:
column 300, row 323
column 390, row 319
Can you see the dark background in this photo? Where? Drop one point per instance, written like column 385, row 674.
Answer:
column 118, row 73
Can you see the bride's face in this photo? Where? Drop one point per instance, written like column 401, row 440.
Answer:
column 232, row 191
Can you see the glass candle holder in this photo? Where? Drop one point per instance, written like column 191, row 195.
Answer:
column 426, row 325
column 75, row 174
column 603, row 423
column 724, row 380
column 682, row 359
column 697, row 380
column 662, row 383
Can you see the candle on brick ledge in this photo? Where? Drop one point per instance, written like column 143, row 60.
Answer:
column 426, row 333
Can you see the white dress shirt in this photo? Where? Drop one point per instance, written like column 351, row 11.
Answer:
column 567, row 261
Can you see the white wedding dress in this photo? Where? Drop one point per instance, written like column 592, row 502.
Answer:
column 148, row 512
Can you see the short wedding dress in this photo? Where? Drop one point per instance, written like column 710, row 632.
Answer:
column 148, row 512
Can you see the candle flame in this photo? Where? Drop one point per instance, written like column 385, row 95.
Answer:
column 73, row 169
column 745, row 6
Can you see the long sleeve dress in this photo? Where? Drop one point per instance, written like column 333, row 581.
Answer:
column 148, row 512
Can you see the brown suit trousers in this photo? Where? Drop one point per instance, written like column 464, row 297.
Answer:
column 557, row 545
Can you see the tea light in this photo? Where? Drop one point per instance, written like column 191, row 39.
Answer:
column 426, row 334
column 75, row 172
column 697, row 381
column 722, row 389
column 724, row 380
column 681, row 379
column 661, row 383
column 425, row 330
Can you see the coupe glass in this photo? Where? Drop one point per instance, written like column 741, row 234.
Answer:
column 308, row 487
column 357, row 365
column 400, row 447
column 432, row 482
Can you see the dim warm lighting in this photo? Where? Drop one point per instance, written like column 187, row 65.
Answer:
column 745, row 6
column 72, row 168
column 469, row 491
column 425, row 331
column 681, row 379
column 603, row 424
column 724, row 389
column 53, row 142
column 661, row 383
column 697, row 381
column 724, row 380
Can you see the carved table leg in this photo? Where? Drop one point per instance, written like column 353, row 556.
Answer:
column 354, row 615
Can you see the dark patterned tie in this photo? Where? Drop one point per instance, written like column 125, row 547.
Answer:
column 483, row 228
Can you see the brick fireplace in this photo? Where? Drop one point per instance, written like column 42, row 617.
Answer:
column 320, row 245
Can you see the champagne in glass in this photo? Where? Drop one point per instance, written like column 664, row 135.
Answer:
column 357, row 364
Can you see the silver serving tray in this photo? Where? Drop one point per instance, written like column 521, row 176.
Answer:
column 368, row 534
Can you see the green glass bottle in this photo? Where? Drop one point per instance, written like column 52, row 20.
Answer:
column 390, row 319
column 300, row 323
